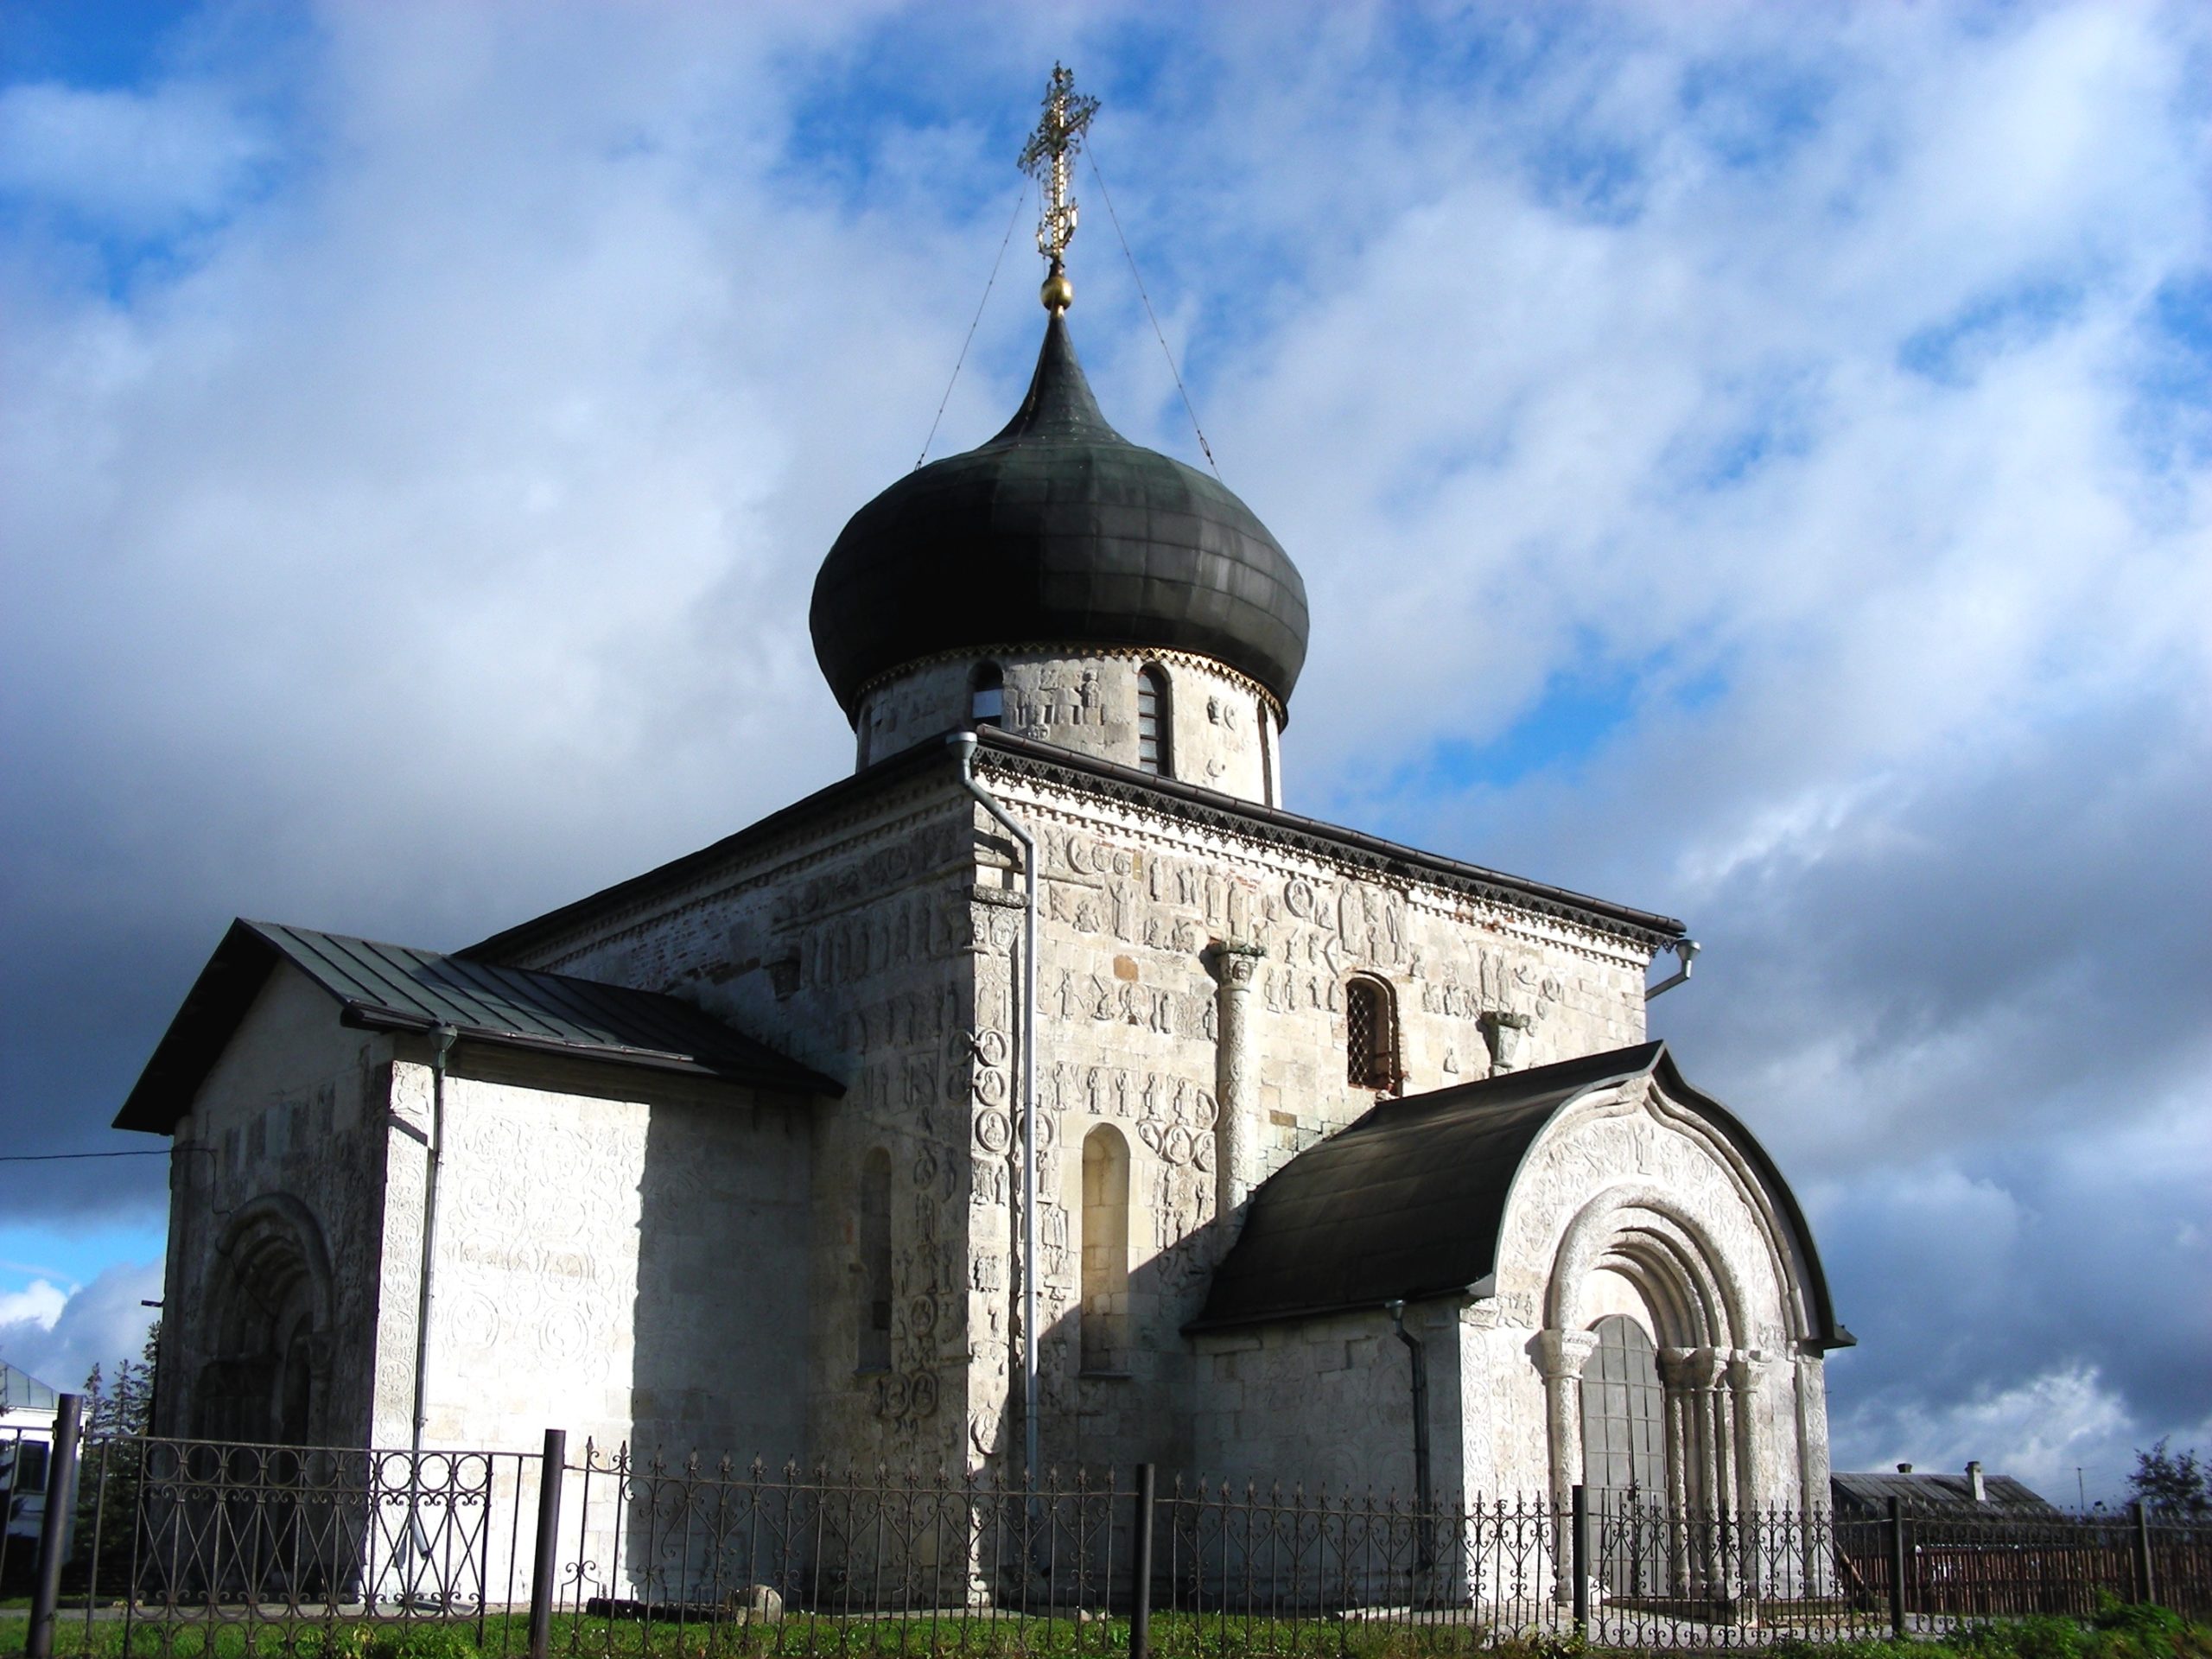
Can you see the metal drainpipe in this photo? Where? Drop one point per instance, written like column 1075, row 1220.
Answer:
column 1423, row 1493
column 1686, row 953
column 442, row 1041
column 964, row 742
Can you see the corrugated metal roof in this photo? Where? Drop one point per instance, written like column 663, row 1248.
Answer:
column 393, row 988
column 2003, row 1497
column 1408, row 1202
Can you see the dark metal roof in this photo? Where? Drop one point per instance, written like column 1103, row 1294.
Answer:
column 391, row 988
column 1058, row 531
column 1409, row 1201
column 1005, row 753
column 1949, row 1496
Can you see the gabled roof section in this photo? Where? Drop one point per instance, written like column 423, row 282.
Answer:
column 1948, row 1495
column 391, row 988
column 1005, row 754
column 1409, row 1201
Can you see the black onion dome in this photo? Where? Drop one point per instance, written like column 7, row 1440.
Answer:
column 1058, row 532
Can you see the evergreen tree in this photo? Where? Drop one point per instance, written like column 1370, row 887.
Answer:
column 116, row 1415
column 2171, row 1483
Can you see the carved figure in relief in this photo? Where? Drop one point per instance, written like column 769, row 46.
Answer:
column 1121, row 907
column 1092, row 698
column 1120, row 1093
column 987, row 1182
column 1098, row 1087
column 1086, row 915
column 994, row 1130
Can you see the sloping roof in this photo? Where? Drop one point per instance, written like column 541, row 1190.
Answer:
column 391, row 988
column 20, row 1391
column 1949, row 1496
column 1409, row 1201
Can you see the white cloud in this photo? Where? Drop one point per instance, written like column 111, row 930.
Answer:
column 140, row 161
column 2042, row 1431
column 39, row 1303
column 58, row 1339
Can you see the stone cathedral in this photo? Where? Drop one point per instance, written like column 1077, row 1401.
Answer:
column 1043, row 1085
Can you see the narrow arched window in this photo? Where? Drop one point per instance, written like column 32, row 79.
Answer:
column 1371, row 1035
column 987, row 696
column 1105, row 1251
column 874, row 1348
column 1155, row 742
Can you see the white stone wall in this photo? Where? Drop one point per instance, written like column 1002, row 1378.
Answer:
column 1222, row 728
column 880, row 948
column 1327, row 1403
column 629, row 1269
column 853, row 946
column 293, row 1109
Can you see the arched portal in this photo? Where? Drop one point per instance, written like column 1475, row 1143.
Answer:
column 1637, row 1239
column 269, row 1303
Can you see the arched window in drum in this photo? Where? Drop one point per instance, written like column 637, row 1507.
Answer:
column 1155, row 735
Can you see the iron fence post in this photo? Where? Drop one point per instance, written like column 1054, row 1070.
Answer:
column 2146, row 1587
column 1896, row 1568
column 1140, row 1569
column 55, row 1526
column 542, row 1585
column 1578, row 1552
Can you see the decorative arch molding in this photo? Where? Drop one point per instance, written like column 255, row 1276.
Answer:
column 1650, row 1110
column 1697, row 1223
column 269, row 1305
column 1642, row 1232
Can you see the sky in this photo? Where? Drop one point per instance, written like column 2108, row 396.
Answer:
column 1754, row 463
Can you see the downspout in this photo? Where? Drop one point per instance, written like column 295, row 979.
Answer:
column 965, row 743
column 1684, row 952
column 442, row 1041
column 1424, row 1497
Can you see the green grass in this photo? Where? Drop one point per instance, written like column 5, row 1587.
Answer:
column 2119, row 1632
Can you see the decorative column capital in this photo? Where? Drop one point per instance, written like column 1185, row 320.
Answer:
column 1235, row 965
column 1561, row 1354
column 1701, row 1369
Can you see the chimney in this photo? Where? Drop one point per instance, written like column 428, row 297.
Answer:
column 1905, row 1468
column 1974, row 1481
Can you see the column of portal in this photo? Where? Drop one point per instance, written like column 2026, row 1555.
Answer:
column 1560, row 1355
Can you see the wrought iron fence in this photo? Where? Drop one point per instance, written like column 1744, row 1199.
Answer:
column 198, row 1548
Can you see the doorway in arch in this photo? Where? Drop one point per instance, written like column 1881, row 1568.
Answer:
column 1625, row 1456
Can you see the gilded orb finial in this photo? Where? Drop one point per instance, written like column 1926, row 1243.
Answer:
column 1047, row 157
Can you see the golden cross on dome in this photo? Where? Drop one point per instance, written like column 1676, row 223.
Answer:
column 1047, row 158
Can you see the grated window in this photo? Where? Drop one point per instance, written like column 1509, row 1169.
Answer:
column 1371, row 1044
column 1153, row 739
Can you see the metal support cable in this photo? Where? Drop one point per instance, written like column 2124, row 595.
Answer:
column 1005, row 241
column 1204, row 448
